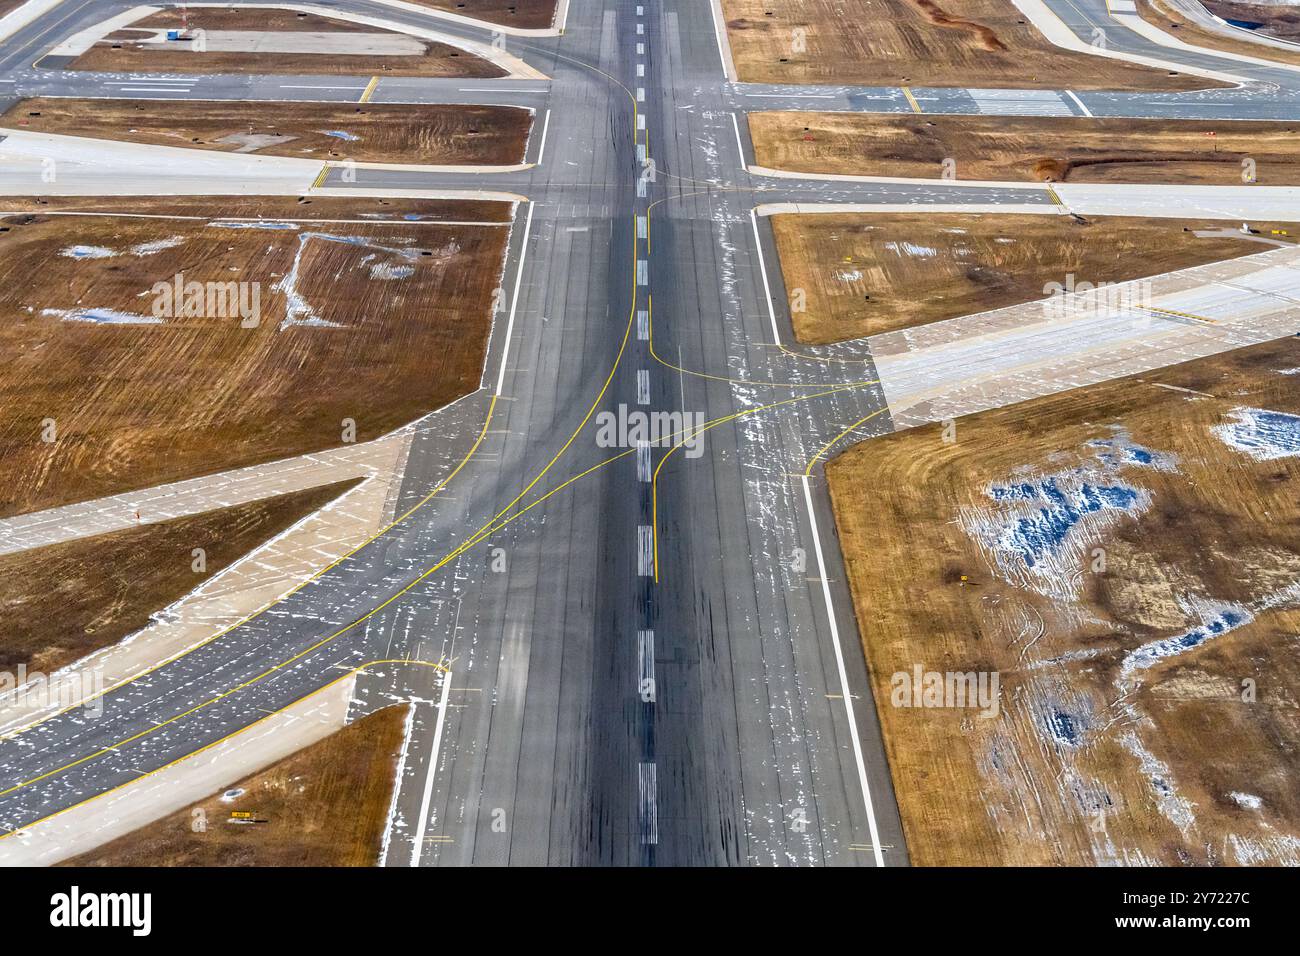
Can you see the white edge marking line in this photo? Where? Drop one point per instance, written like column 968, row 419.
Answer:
column 408, row 729
column 514, row 301
column 719, row 33
column 762, row 265
column 541, row 152
column 432, row 772
column 740, row 145
column 844, row 679
column 1078, row 102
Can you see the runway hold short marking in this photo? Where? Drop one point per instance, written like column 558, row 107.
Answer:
column 645, row 551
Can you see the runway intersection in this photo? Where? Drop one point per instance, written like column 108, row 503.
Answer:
column 616, row 656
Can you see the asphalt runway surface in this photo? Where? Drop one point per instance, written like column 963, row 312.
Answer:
column 650, row 654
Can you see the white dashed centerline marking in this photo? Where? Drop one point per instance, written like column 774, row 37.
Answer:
column 643, row 461
column 645, row 551
column 643, row 386
column 645, row 649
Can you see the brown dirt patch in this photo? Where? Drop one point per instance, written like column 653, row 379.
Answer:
column 61, row 602
column 323, row 806
column 975, row 43
column 525, row 14
column 1172, row 21
column 1278, row 21
column 121, row 52
column 927, row 267
column 1028, row 149
column 1086, row 762
column 450, row 135
column 395, row 324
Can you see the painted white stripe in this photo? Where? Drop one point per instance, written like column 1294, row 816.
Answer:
column 463, row 89
column 640, row 69
column 642, row 227
column 740, row 144
column 645, row 551
column 640, row 49
column 643, row 386
column 514, row 300
column 642, row 272
column 154, row 89
column 643, row 461
column 645, row 649
column 546, row 126
column 640, row 94
column 640, row 121
column 767, row 288
column 423, row 822
column 844, row 678
column 643, row 326
column 1078, row 102
column 648, row 803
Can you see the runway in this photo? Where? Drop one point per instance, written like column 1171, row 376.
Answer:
column 646, row 657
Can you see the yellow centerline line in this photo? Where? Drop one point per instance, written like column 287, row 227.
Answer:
column 369, row 91
column 489, row 528
column 396, row 521
column 911, row 100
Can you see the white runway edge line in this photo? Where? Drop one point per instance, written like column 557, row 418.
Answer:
column 1078, row 102
column 514, row 300
column 724, row 45
column 546, row 126
column 740, row 145
column 425, row 799
column 762, row 265
column 844, row 677
column 408, row 730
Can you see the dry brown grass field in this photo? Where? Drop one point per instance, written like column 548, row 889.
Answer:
column 968, row 43
column 363, row 133
column 1277, row 20
column 121, row 50
column 1126, row 557
column 61, row 602
column 525, row 14
column 865, row 274
column 1172, row 21
column 323, row 806
column 375, row 319
column 1028, row 149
